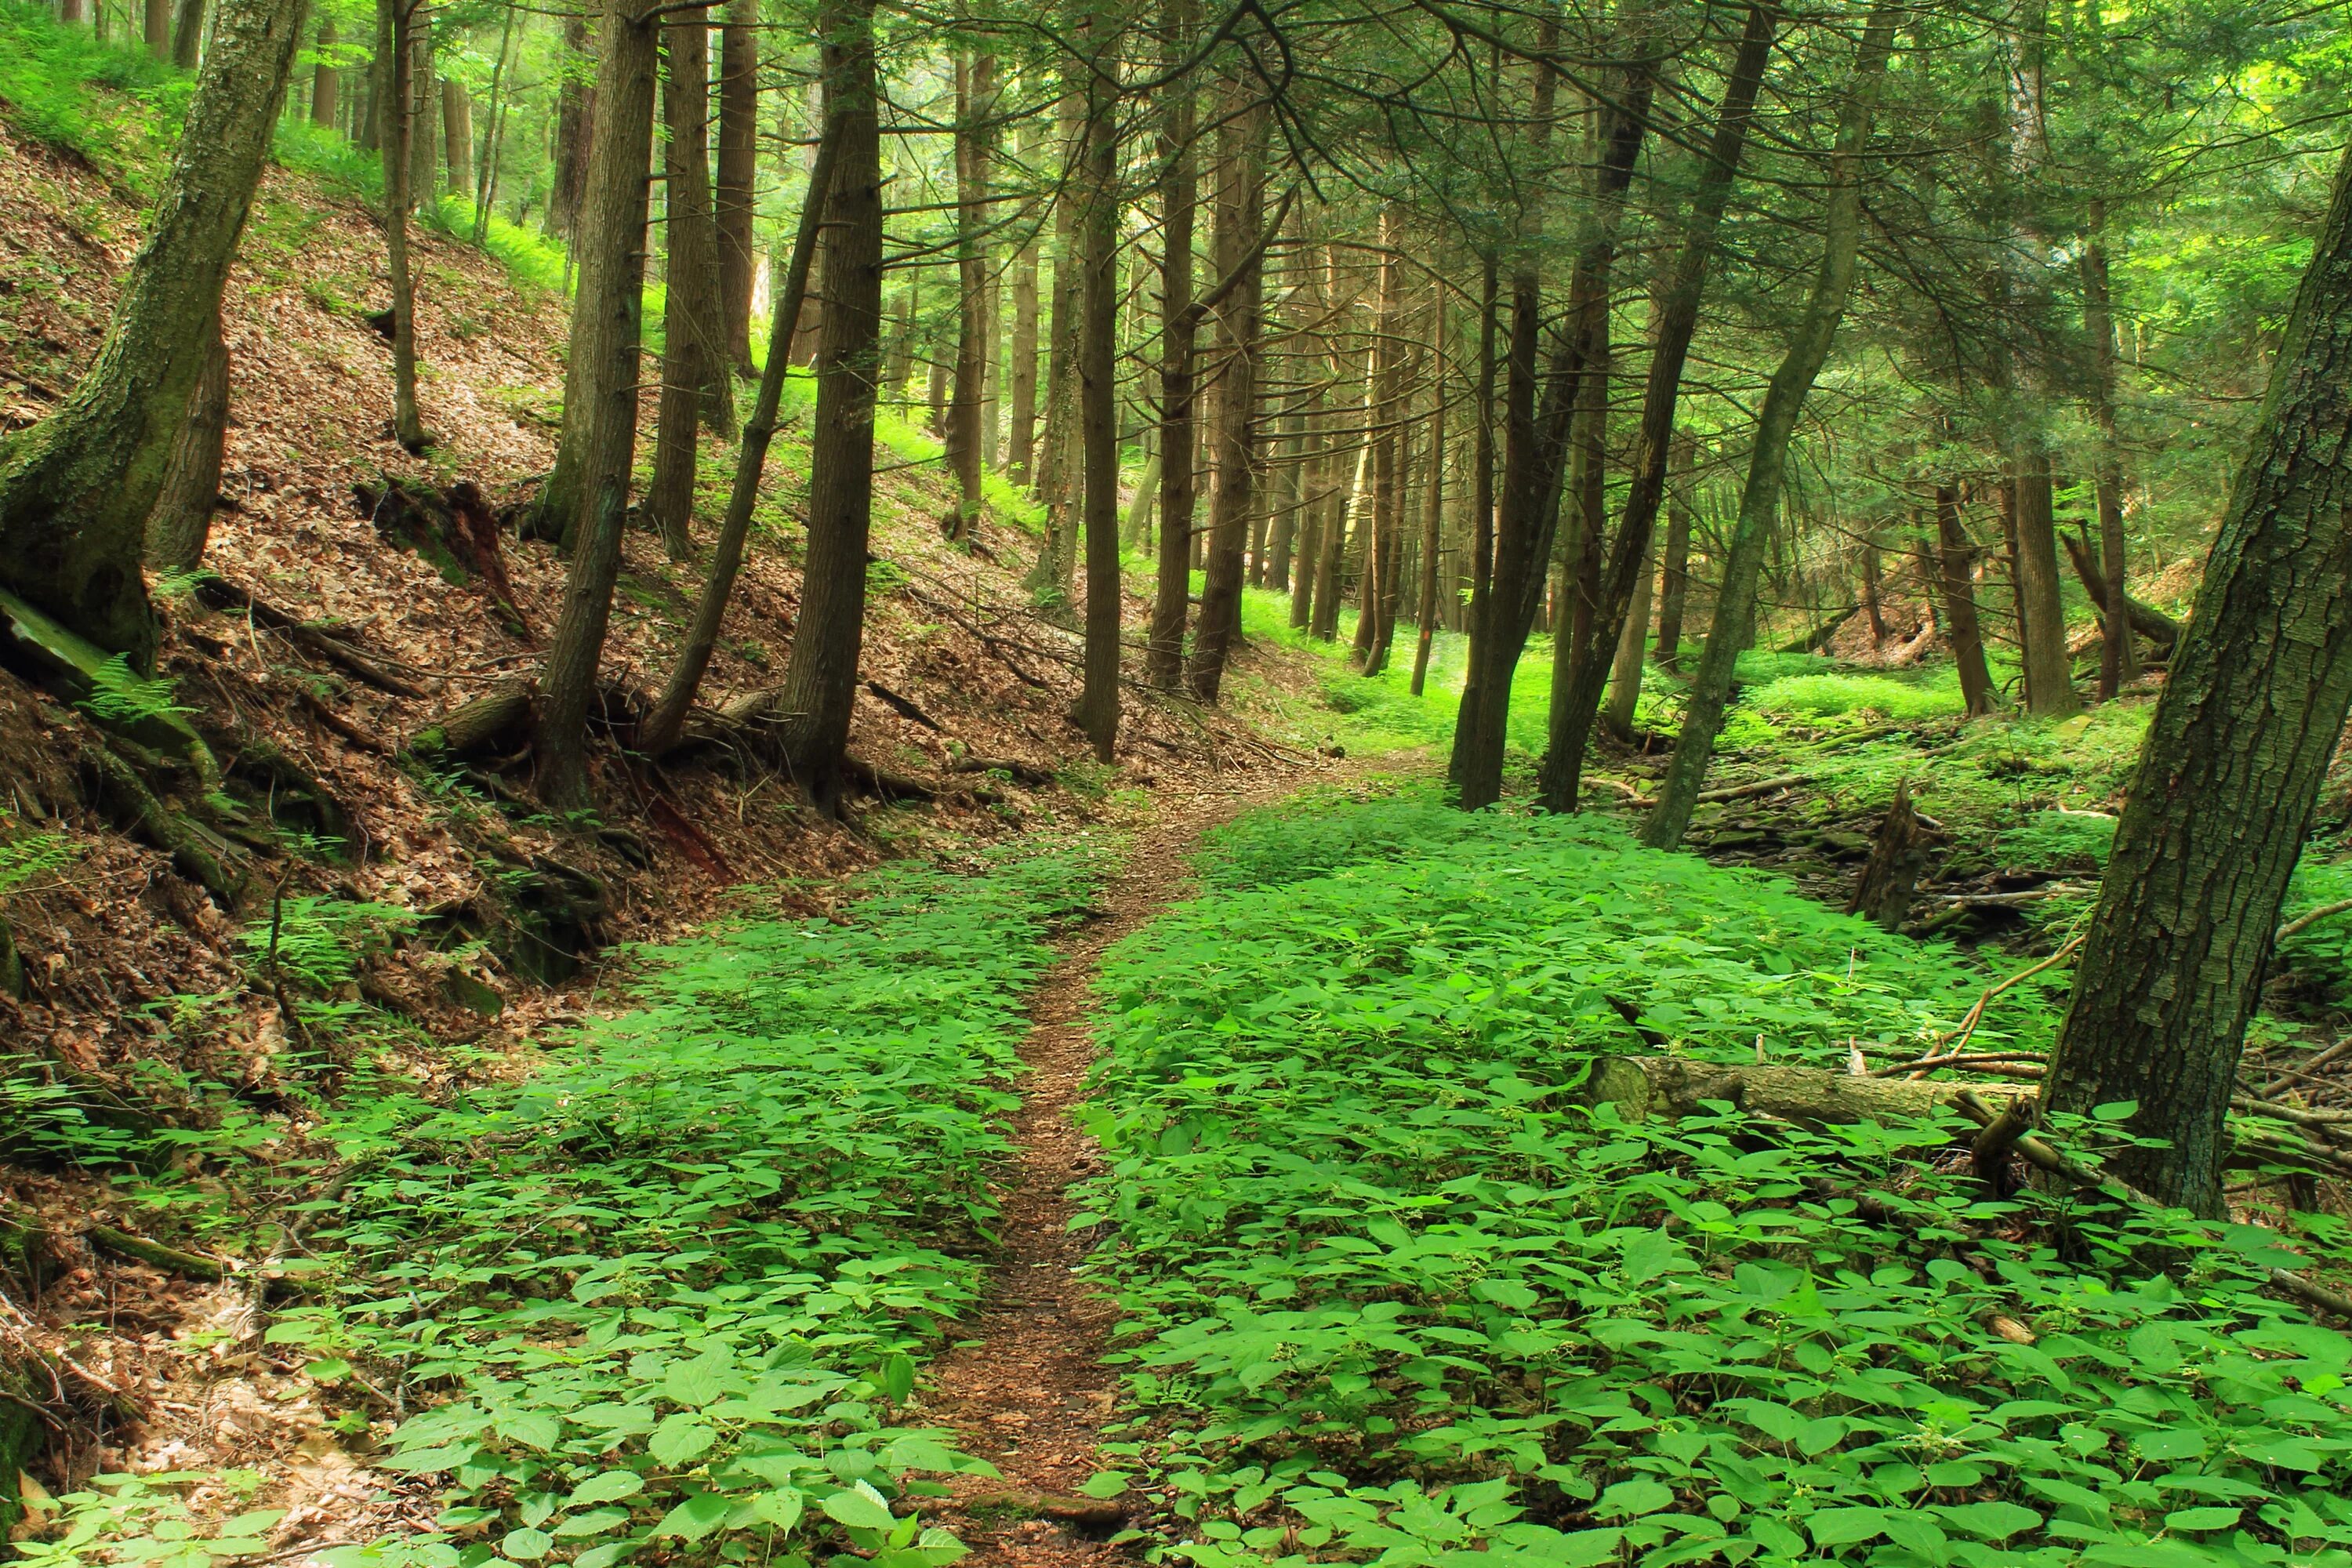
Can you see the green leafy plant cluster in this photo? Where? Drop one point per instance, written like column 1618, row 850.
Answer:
column 1392, row 1293
column 144, row 1521
column 669, row 1291
column 47, row 71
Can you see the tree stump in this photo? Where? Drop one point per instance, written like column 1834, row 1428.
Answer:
column 1898, row 854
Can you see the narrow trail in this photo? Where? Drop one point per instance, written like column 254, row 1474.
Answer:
column 1029, row 1391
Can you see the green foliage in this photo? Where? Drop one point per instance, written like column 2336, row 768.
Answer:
column 1879, row 696
column 319, row 943
column 530, row 258
column 119, row 695
column 120, row 1521
column 27, row 856
column 1393, row 1295
column 46, row 70
column 673, row 1286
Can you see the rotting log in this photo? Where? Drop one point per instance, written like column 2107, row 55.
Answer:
column 220, row 594
column 154, row 1254
column 1898, row 854
column 497, row 720
column 2146, row 619
column 1680, row 1086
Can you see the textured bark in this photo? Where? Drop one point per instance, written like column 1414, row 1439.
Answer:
column 739, row 163
column 1956, row 557
column 182, row 518
column 819, row 686
column 458, row 132
column 1432, row 513
column 1760, row 496
column 2040, row 617
column 76, row 488
column 575, row 109
column 2118, row 655
column 1021, row 434
column 1179, row 203
column 689, row 303
column 1579, row 576
column 326, row 98
column 187, row 34
column 1670, row 344
column 396, row 64
column 607, row 333
column 1239, row 251
column 2236, row 754
column 1097, row 365
column 1674, row 570
column 668, row 722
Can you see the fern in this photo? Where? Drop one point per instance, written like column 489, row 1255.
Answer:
column 119, row 695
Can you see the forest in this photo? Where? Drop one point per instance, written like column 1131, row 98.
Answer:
column 1237, row 782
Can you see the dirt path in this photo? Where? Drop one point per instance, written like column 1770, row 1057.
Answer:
column 1030, row 1393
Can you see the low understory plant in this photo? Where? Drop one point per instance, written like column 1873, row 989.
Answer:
column 1392, row 1293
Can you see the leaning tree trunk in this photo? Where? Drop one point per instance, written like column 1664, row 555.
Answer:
column 1625, row 670
column 182, row 518
column 1097, row 367
column 76, row 488
column 667, row 720
column 611, row 306
column 575, row 110
column 690, row 305
column 1674, row 571
column 820, row 685
column 738, row 168
column 1956, row 561
column 1759, row 497
column 1670, row 344
column 395, row 41
column 2236, row 752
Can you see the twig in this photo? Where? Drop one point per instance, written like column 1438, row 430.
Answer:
column 1959, row 1037
column 2305, row 920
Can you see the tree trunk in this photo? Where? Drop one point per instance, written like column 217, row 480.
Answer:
column 182, row 518
column 325, row 80
column 1955, row 556
column 739, row 167
column 1759, row 497
column 575, row 112
column 1315, row 483
column 1670, row 344
column 483, row 178
column 668, row 722
column 2118, row 655
column 690, row 306
column 2041, row 617
column 1241, row 193
column 158, row 20
column 607, row 333
column 1021, row 439
column 1097, row 366
column 975, row 86
column 458, row 132
column 1626, row 667
column 1432, row 515
column 396, row 51
column 76, row 490
column 187, row 34
column 1388, row 375
column 424, row 107
column 2230, row 772
column 1673, row 577
column 819, row 686
column 1870, row 610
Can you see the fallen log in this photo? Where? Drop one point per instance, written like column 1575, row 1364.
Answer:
column 1815, row 640
column 2146, row 619
column 1677, row 1086
column 220, row 594
column 495, row 721
column 154, row 1254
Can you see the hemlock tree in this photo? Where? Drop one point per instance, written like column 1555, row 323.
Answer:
column 76, row 488
column 2259, row 688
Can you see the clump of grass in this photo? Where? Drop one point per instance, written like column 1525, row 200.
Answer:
column 47, row 70
column 1841, row 695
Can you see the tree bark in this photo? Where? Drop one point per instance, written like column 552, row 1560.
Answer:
column 736, row 190
column 2118, row 655
column 607, row 333
column 76, row 490
column 1673, row 575
column 1097, row 365
column 2235, row 756
column 325, row 80
column 1955, row 556
column 182, row 518
column 1433, row 516
column 396, row 54
column 1021, row 437
column 1388, row 374
column 458, row 132
column 667, row 720
column 1670, row 344
column 1241, row 193
column 1179, row 203
column 820, row 687
column 975, row 83
column 1759, row 497
column 1626, row 667
column 187, row 34
column 575, row 110
column 423, row 108
column 157, row 17
column 690, row 306
column 2040, row 617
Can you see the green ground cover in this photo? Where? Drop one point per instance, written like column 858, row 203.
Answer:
column 1391, row 1295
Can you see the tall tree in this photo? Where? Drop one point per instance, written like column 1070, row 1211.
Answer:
column 1180, row 328
column 1759, row 497
column 1098, row 365
column 1956, row 557
column 76, row 490
column 690, row 306
column 1674, row 567
column 395, row 30
column 2118, row 655
column 819, row 686
column 325, row 80
column 1563, row 770
column 607, row 331
column 736, row 190
column 187, row 34
column 1433, row 514
column 2254, row 708
column 575, row 112
column 975, row 88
